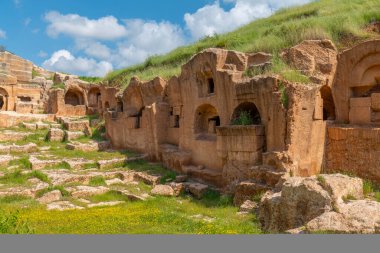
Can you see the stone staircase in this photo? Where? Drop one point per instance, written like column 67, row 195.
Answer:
column 204, row 175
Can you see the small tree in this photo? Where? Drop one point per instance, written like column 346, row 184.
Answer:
column 2, row 48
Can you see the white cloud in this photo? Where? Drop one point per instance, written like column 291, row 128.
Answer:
column 212, row 19
column 64, row 61
column 93, row 48
column 147, row 38
column 105, row 28
column 3, row 34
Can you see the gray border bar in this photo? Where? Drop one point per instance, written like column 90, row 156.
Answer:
column 191, row 244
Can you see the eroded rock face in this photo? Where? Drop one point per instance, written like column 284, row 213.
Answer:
column 361, row 216
column 56, row 134
column 50, row 197
column 314, row 58
column 301, row 200
column 320, row 203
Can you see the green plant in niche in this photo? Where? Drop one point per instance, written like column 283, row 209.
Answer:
column 244, row 119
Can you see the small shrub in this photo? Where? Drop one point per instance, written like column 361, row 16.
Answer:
column 368, row 187
column 257, row 198
column 10, row 223
column 244, row 119
column 348, row 198
column 377, row 196
column 321, row 180
column 169, row 176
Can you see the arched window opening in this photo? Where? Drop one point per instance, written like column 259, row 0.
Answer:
column 206, row 121
column 246, row 114
column 73, row 98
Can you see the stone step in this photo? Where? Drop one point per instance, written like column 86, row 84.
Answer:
column 265, row 174
column 246, row 190
column 203, row 174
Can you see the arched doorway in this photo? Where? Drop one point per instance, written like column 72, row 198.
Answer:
column 206, row 121
column 74, row 97
column 3, row 99
column 246, row 114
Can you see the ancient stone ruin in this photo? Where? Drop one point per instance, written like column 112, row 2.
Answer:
column 216, row 124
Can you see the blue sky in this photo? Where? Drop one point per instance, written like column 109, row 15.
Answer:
column 92, row 37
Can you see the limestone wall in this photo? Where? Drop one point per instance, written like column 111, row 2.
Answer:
column 187, row 121
column 13, row 65
column 354, row 150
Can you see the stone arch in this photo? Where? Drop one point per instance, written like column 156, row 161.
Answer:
column 328, row 103
column 3, row 99
column 94, row 97
column 251, row 110
column 357, row 78
column 206, row 120
column 74, row 97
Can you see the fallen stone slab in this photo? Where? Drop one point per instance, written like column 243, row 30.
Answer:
column 31, row 126
column 27, row 148
column 246, row 190
column 133, row 197
column 78, row 163
column 38, row 164
column 248, row 207
column 163, row 190
column 86, row 147
column 86, row 191
column 17, row 191
column 5, row 159
column 41, row 125
column 50, row 197
column 70, row 135
column 146, row 178
column 78, row 125
column 60, row 177
column 103, row 164
column 114, row 181
column 355, row 217
column 13, row 136
column 101, row 204
column 63, row 205
column 196, row 189
column 56, row 126
column 56, row 134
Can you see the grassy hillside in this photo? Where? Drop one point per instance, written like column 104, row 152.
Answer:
column 343, row 21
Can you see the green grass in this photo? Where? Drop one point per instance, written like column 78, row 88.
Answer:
column 19, row 178
column 90, row 79
column 108, row 196
column 153, row 168
column 51, row 188
column 339, row 20
column 97, row 181
column 156, row 216
column 370, row 188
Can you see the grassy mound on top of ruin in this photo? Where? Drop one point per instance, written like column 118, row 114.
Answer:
column 342, row 21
